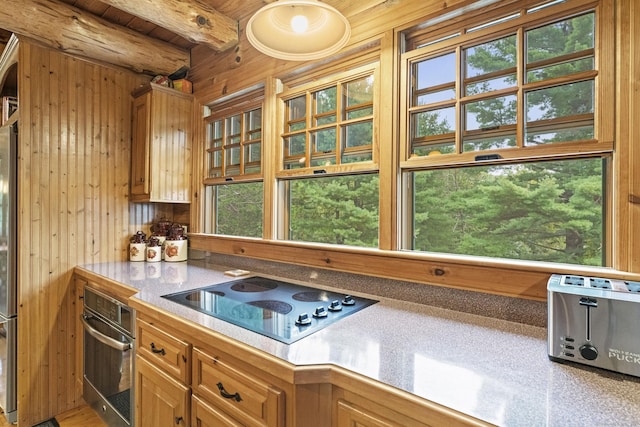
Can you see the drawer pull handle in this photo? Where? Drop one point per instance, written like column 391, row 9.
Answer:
column 228, row 395
column 157, row 350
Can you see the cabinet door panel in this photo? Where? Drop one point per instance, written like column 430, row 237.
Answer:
column 205, row 415
column 161, row 401
column 161, row 145
column 352, row 416
column 140, row 145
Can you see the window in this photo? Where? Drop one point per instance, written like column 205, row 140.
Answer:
column 330, row 125
column 233, row 193
column 328, row 177
column 501, row 156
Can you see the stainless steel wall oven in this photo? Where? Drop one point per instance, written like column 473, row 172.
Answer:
column 108, row 357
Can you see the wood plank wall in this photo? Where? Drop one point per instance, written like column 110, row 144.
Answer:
column 628, row 132
column 74, row 136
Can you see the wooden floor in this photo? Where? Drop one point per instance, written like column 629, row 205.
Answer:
column 83, row 416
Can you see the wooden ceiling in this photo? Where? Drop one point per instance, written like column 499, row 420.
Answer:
column 76, row 24
column 235, row 9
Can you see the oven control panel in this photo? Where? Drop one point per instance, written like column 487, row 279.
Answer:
column 109, row 308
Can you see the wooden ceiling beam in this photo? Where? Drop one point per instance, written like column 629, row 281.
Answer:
column 71, row 30
column 193, row 20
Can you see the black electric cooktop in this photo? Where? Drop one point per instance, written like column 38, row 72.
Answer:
column 280, row 310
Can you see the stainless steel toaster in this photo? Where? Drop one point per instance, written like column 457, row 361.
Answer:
column 594, row 321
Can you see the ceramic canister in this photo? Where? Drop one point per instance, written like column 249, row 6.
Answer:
column 154, row 250
column 175, row 250
column 154, row 253
column 137, row 251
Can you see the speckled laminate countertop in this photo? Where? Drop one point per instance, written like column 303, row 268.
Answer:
column 494, row 370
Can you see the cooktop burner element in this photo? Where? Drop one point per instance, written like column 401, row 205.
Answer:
column 280, row 310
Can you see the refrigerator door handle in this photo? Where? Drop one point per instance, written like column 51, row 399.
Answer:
column 122, row 346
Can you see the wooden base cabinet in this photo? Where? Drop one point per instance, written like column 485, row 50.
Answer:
column 161, row 401
column 206, row 380
column 163, row 395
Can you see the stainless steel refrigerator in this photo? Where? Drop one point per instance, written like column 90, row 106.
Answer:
column 8, row 287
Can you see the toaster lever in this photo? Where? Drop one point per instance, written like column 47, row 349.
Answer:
column 589, row 302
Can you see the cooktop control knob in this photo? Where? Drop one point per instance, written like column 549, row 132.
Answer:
column 589, row 352
column 348, row 300
column 303, row 320
column 335, row 305
column 320, row 312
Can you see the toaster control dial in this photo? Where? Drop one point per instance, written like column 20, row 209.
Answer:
column 589, row 352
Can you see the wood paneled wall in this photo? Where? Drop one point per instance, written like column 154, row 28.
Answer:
column 74, row 148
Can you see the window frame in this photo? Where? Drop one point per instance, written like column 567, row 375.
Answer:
column 284, row 176
column 602, row 145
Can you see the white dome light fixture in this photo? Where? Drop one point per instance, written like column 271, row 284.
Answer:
column 298, row 30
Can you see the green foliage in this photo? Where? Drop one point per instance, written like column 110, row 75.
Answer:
column 549, row 211
column 335, row 210
column 239, row 209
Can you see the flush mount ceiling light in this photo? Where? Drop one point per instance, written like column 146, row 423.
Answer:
column 298, row 30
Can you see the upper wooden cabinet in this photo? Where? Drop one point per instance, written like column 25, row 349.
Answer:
column 161, row 145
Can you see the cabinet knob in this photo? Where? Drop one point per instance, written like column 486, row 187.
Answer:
column 179, row 420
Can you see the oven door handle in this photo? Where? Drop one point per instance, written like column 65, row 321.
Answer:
column 122, row 346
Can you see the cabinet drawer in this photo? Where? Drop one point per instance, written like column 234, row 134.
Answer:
column 237, row 392
column 165, row 351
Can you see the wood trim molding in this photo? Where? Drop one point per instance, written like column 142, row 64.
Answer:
column 493, row 276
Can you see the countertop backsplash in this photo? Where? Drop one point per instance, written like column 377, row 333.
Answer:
column 495, row 306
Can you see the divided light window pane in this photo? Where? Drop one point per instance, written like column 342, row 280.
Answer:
column 561, row 48
column 436, row 79
column 491, row 57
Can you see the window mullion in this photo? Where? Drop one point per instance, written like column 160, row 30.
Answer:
column 460, row 122
column 243, row 137
column 340, row 118
column 521, row 58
